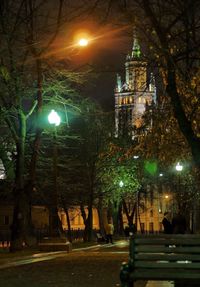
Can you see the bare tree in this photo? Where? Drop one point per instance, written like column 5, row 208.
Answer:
column 28, row 30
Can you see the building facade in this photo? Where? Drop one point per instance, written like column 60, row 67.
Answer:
column 132, row 97
column 135, row 93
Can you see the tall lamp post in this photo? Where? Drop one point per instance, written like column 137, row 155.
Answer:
column 179, row 168
column 54, row 223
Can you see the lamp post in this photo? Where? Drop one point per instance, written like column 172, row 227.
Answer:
column 179, row 168
column 54, row 223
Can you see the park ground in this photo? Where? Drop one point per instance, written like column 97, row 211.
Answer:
column 93, row 266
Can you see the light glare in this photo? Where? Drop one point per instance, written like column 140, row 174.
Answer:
column 54, row 118
column 179, row 167
column 83, row 42
column 121, row 183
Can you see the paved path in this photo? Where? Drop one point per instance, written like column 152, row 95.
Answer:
column 160, row 284
column 94, row 266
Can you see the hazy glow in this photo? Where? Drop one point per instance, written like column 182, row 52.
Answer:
column 110, row 36
column 121, row 183
column 151, row 167
column 136, row 156
column 2, row 170
column 54, row 118
column 83, row 42
column 179, row 167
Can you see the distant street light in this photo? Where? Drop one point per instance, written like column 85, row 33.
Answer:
column 54, row 119
column 179, row 168
column 121, row 184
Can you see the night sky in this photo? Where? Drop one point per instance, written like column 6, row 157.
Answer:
column 105, row 54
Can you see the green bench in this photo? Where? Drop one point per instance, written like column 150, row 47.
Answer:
column 162, row 257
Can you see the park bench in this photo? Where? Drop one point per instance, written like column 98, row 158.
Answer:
column 171, row 257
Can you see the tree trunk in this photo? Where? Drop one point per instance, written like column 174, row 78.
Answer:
column 85, row 221
column 120, row 220
column 90, row 222
column 100, row 216
column 21, row 225
column 69, row 233
column 129, row 216
column 184, row 123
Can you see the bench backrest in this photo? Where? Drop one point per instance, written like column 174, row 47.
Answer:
column 164, row 251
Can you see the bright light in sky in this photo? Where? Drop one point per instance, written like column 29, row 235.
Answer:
column 83, row 42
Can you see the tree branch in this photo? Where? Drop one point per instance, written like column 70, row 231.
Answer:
column 32, row 109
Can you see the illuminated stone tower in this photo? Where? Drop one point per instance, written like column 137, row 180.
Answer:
column 132, row 96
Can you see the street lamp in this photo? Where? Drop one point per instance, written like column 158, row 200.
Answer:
column 179, row 168
column 83, row 42
column 54, row 119
column 121, row 184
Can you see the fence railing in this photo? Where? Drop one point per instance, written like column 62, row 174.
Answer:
column 76, row 235
column 5, row 236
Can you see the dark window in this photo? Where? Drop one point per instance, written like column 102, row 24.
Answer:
column 6, row 220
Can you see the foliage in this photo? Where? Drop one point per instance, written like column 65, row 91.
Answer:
column 116, row 167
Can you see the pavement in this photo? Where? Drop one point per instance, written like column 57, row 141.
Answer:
column 44, row 256
column 159, row 284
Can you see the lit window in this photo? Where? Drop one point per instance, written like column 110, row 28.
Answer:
column 2, row 170
column 151, row 227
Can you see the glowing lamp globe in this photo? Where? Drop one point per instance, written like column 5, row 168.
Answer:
column 179, row 167
column 54, row 118
column 83, row 42
column 121, row 183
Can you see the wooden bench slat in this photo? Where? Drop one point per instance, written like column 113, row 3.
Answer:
column 160, row 274
column 167, row 257
column 165, row 249
column 163, row 241
column 166, row 265
column 163, row 235
column 158, row 257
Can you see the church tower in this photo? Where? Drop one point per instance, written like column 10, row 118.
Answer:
column 132, row 96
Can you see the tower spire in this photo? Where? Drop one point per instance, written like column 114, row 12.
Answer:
column 136, row 52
